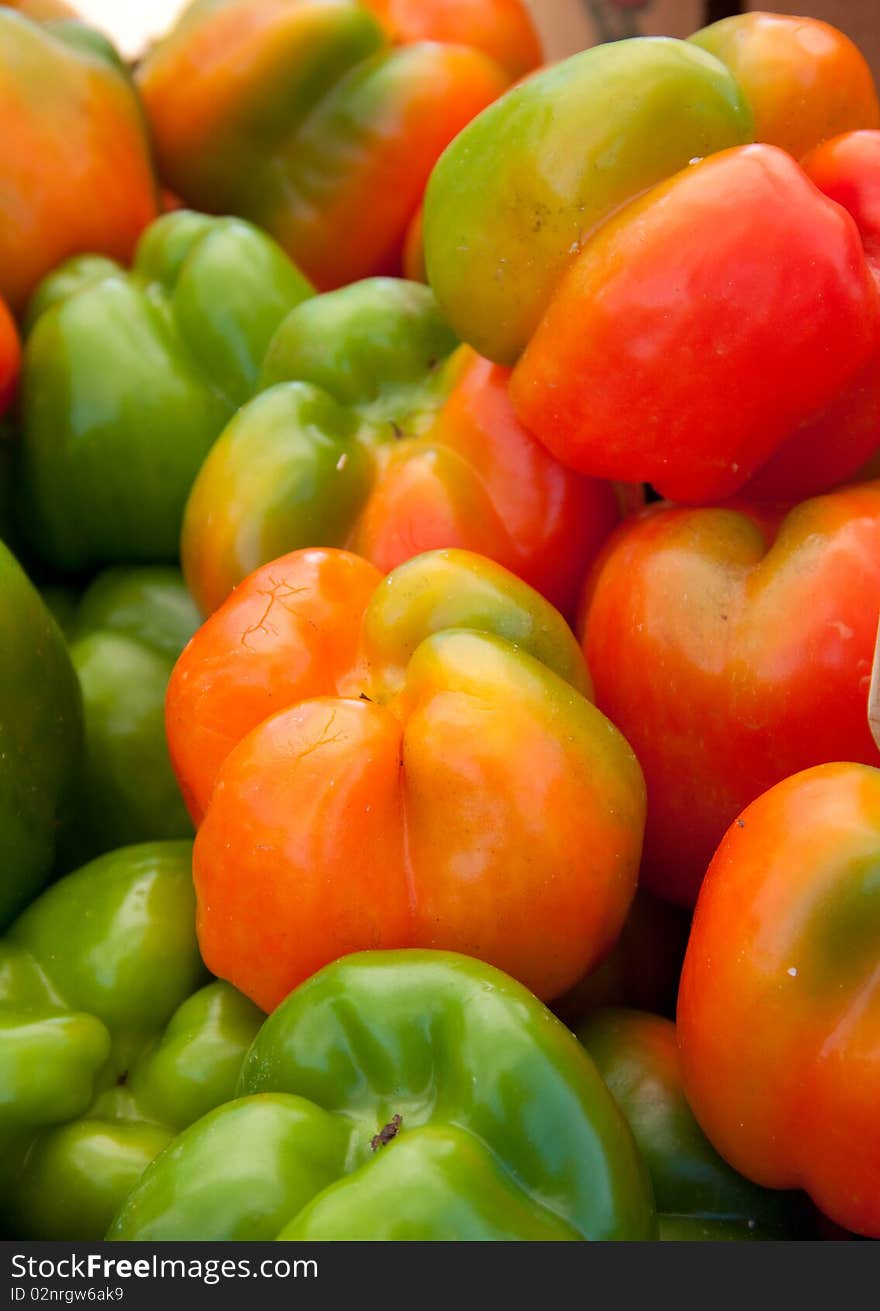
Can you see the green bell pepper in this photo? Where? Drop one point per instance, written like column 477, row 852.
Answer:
column 400, row 1095
column 129, row 377
column 125, row 634
column 699, row 1196
column 346, row 376
column 113, row 1039
column 40, row 736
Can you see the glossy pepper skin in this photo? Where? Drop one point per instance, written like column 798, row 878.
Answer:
column 847, row 168
column 75, row 165
column 502, row 29
column 407, row 1095
column 779, row 1009
column 804, row 80
column 125, row 633
column 821, row 452
column 158, row 360
column 652, row 363
column 298, row 115
column 40, row 736
column 732, row 646
column 371, row 432
column 699, row 1197
column 520, row 190
column 624, row 289
column 407, row 761
column 113, row 1039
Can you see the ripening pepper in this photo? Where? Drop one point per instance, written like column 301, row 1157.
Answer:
column 40, row 736
column 371, row 432
column 305, row 117
column 519, row 191
column 779, row 1007
column 502, row 29
column 804, row 80
column 113, row 1039
column 699, row 1197
column 733, row 646
column 74, row 155
column 409, row 761
column 625, row 289
column 704, row 330
column 846, row 168
column 125, row 634
column 406, row 1095
column 157, row 360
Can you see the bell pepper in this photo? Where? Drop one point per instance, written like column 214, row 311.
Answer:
column 40, row 736
column 298, row 116
column 805, row 80
column 779, row 1008
column 624, row 288
column 699, row 1196
column 126, row 632
column 652, row 363
column 409, row 761
column 75, row 163
column 502, row 29
column 158, row 360
column 407, row 1095
column 113, row 1039
column 823, row 452
column 847, row 168
column 732, row 646
column 372, row 433
column 519, row 191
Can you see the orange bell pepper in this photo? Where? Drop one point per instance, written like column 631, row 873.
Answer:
column 75, row 163
column 779, row 1005
column 407, row 761
column 805, row 80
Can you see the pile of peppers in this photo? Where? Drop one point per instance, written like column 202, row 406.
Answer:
column 439, row 585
